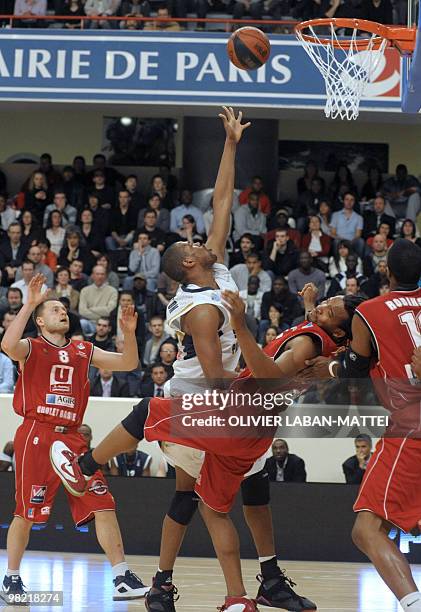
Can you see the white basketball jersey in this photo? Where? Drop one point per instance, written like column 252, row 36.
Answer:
column 188, row 373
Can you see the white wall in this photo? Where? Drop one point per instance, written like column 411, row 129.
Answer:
column 323, row 457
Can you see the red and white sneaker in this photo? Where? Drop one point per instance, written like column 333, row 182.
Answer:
column 66, row 466
column 239, row 604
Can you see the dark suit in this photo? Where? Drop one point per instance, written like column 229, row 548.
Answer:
column 6, row 255
column 118, row 389
column 353, row 473
column 140, row 326
column 148, row 389
column 294, row 470
column 370, row 226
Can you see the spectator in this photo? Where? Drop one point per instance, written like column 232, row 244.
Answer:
column 7, row 213
column 352, row 286
column 28, row 11
column 86, row 432
column 284, row 466
column 252, row 267
column 158, row 185
column 144, row 300
column 305, row 273
column 46, row 167
column 162, row 214
column 180, row 8
column 409, row 232
column 126, row 299
column 47, row 256
column 162, row 13
column 90, row 234
column 134, row 463
column 167, row 356
column 102, row 214
column 72, row 8
column 317, row 243
column 243, row 7
column 188, row 230
column 107, row 385
column 342, row 184
column 101, row 8
column 378, row 254
column 257, row 188
column 7, row 458
column 55, row 231
column 384, row 230
column 284, row 221
column 308, row 203
column 249, row 219
column 37, row 195
column 284, row 300
column 112, row 277
column 167, row 288
column 7, row 377
column 123, row 223
column 99, row 161
column 28, row 271
column 374, row 184
column 252, row 297
column 402, row 191
column 8, row 318
column 63, row 288
column 73, row 249
column 69, row 213
column 74, row 190
column 79, row 169
column 186, row 207
column 103, row 192
column 102, row 338
column 380, row 11
column 325, row 216
column 31, row 231
column 34, row 254
column 146, row 260
column 131, row 379
column 157, row 236
column 384, row 286
column 281, row 254
column 337, row 263
column 376, row 280
column 13, row 302
column 374, row 218
column 246, row 248
column 96, row 301
column 354, row 468
column 346, row 224
column 270, row 335
column 12, row 251
column 338, row 284
column 311, row 171
column 155, row 388
column 131, row 183
column 78, row 279
column 158, row 336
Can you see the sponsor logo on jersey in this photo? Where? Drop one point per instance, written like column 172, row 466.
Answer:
column 215, row 297
column 38, row 494
column 81, row 346
column 82, row 354
column 60, row 400
column 61, row 377
column 31, row 513
column 98, row 487
column 45, row 510
column 172, row 306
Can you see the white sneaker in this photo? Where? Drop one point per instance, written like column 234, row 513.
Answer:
column 129, row 586
column 66, row 466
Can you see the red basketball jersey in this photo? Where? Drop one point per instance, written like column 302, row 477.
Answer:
column 53, row 386
column 394, row 320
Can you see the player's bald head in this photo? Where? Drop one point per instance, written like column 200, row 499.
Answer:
column 172, row 261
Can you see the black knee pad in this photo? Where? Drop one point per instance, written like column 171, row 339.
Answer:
column 183, row 506
column 134, row 423
column 255, row 489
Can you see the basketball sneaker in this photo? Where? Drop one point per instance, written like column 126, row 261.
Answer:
column 239, row 604
column 66, row 466
column 162, row 598
column 129, row 586
column 277, row 592
column 12, row 590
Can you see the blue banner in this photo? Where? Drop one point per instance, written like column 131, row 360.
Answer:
column 175, row 68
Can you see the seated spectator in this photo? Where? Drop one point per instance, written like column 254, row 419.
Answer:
column 317, row 243
column 28, row 271
column 99, row 163
column 146, row 260
column 188, row 230
column 346, row 224
column 374, row 185
column 311, row 171
column 28, row 11
column 283, row 220
column 7, row 458
column 337, row 263
column 384, row 230
column 131, row 183
column 12, row 252
column 126, row 299
column 380, row 11
column 34, row 254
column 353, row 287
column 123, row 223
column 144, row 300
column 78, row 279
column 325, row 216
column 79, row 169
column 102, row 337
column 308, row 203
column 47, row 256
column 134, row 463
column 409, row 232
column 180, row 8
column 378, row 254
column 252, row 267
column 90, row 233
column 12, row 301
column 384, row 286
column 254, row 8
column 249, row 219
column 163, row 13
column 186, row 207
column 338, row 283
column 354, row 468
column 155, row 388
column 281, row 254
column 107, row 385
column 376, row 280
column 69, row 213
column 101, row 8
column 72, row 8
column 257, row 188
column 270, row 334
column 7, row 374
column 74, row 190
column 31, row 231
column 63, row 288
column 342, row 184
column 304, row 274
column 86, row 432
column 8, row 319
column 284, row 466
column 162, row 214
column 403, row 192
column 112, row 277
column 158, row 184
column 74, row 249
column 96, row 300
column 104, row 192
column 53, row 177
column 167, row 356
column 252, row 297
column 158, row 336
column 157, row 237
column 246, row 248
column 102, row 214
column 374, row 218
column 37, row 195
column 283, row 300
column 8, row 214
column 55, row 231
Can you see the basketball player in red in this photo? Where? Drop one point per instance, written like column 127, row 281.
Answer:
column 51, row 395
column 229, row 454
column 384, row 334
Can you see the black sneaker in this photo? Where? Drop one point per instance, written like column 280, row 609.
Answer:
column 129, row 586
column 12, row 588
column 277, row 592
column 161, row 599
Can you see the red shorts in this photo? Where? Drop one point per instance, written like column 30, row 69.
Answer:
column 37, row 483
column 391, row 485
column 228, row 456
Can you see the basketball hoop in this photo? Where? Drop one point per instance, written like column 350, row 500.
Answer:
column 347, row 64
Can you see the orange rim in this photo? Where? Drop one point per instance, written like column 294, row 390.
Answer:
column 401, row 37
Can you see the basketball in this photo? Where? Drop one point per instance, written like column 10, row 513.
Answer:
column 248, row 48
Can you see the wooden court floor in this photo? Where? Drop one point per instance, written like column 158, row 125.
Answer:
column 87, row 583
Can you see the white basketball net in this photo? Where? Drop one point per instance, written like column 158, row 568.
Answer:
column 346, row 72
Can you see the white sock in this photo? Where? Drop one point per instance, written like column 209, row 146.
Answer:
column 264, row 559
column 411, row 602
column 12, row 573
column 120, row 569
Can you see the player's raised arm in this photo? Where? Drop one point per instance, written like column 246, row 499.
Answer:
column 224, row 186
column 127, row 360
column 12, row 343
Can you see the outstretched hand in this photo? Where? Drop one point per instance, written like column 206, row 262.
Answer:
column 35, row 293
column 233, row 127
column 236, row 307
column 128, row 320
